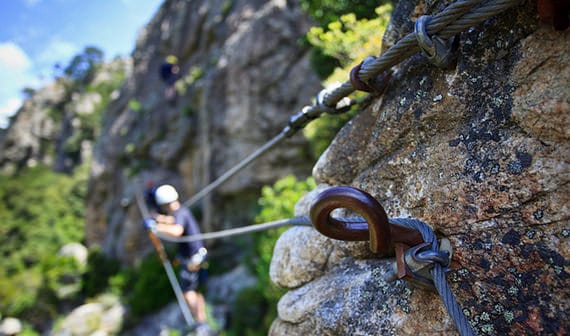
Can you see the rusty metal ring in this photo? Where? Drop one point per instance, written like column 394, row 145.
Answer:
column 375, row 228
column 356, row 82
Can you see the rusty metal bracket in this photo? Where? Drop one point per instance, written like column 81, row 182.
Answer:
column 375, row 227
column 414, row 264
column 414, row 257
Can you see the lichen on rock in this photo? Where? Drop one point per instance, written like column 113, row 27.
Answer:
column 480, row 152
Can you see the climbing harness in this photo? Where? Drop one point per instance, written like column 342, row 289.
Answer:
column 166, row 264
column 420, row 259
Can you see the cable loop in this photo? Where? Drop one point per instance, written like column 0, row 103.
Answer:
column 341, row 106
column 439, row 52
column 430, row 256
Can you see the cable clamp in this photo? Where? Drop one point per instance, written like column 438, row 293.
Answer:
column 414, row 264
column 342, row 105
column 439, row 52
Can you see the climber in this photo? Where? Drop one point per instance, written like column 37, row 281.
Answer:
column 178, row 221
column 170, row 73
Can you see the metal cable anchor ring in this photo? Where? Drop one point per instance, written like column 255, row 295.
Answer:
column 437, row 51
column 374, row 226
column 356, row 82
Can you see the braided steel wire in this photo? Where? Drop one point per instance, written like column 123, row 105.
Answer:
column 453, row 20
column 295, row 221
column 235, row 169
column 440, row 282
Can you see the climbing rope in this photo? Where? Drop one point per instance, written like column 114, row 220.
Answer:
column 454, row 19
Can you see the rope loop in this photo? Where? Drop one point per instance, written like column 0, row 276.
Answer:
column 439, row 52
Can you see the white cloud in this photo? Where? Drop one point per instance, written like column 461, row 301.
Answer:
column 7, row 109
column 32, row 3
column 17, row 72
column 13, row 57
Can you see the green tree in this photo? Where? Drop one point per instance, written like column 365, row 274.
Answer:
column 84, row 65
column 40, row 211
column 255, row 307
column 327, row 11
column 348, row 41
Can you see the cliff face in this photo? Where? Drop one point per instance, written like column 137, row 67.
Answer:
column 243, row 74
column 56, row 124
column 480, row 152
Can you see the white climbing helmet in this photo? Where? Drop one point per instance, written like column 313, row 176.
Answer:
column 165, row 194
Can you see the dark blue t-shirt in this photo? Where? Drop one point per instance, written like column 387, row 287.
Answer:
column 184, row 217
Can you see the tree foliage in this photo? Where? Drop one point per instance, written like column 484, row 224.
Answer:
column 327, row 11
column 255, row 308
column 83, row 66
column 40, row 211
column 349, row 41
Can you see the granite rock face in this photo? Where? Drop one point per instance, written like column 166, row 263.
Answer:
column 47, row 129
column 243, row 74
column 480, row 152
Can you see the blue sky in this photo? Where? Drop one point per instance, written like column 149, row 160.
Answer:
column 37, row 34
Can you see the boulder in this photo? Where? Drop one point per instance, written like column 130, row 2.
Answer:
column 83, row 320
column 76, row 250
column 10, row 326
column 223, row 288
column 480, row 152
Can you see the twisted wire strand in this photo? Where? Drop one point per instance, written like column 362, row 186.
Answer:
column 404, row 48
column 295, row 221
column 454, row 19
column 478, row 15
column 453, row 308
column 235, row 169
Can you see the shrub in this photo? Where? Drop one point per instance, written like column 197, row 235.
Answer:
column 148, row 287
column 40, row 211
column 349, row 41
column 100, row 269
column 276, row 202
column 327, row 11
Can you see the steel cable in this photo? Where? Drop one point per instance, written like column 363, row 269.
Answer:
column 454, row 19
column 452, row 306
column 235, row 169
column 295, row 221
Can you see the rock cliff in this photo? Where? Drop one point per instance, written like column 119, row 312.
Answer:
column 56, row 124
column 243, row 73
column 480, row 152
